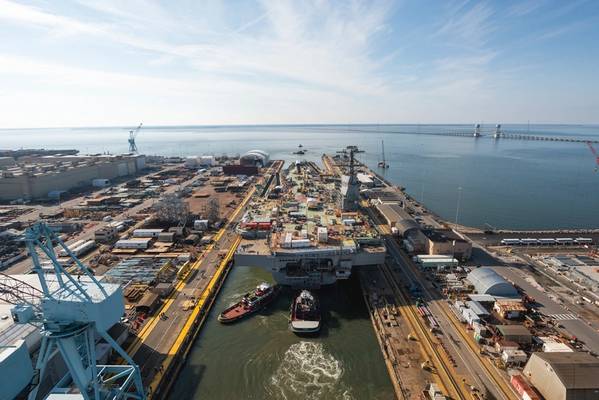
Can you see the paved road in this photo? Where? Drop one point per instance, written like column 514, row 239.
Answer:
column 565, row 317
column 467, row 362
column 163, row 335
column 160, row 339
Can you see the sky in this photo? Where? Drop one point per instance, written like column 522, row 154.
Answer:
column 117, row 63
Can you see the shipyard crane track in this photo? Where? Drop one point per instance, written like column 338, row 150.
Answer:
column 170, row 300
column 400, row 390
column 448, row 381
column 499, row 382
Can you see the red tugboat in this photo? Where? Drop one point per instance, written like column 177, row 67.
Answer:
column 250, row 303
column 305, row 314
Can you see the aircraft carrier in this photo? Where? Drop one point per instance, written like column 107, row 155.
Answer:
column 307, row 229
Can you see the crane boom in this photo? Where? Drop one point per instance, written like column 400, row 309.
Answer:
column 17, row 292
column 136, row 131
column 74, row 314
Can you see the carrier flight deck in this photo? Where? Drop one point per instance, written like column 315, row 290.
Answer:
column 307, row 230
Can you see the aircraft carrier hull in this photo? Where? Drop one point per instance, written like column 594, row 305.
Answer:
column 311, row 268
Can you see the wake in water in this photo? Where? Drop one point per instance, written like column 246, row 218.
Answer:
column 308, row 371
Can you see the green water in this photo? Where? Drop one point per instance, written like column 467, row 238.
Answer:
column 259, row 358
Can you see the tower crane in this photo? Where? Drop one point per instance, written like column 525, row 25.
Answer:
column 595, row 153
column 132, row 135
column 72, row 313
column 350, row 187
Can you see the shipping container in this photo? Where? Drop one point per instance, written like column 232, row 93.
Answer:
column 300, row 243
column 147, row 233
column 133, row 244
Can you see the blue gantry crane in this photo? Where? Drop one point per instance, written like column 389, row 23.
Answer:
column 73, row 313
column 131, row 140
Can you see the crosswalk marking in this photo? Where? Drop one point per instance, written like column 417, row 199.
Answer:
column 563, row 317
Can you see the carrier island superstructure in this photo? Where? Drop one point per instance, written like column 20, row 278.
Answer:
column 307, row 229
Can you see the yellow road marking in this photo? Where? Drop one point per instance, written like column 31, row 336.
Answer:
column 153, row 321
column 192, row 318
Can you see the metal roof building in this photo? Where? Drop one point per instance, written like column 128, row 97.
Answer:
column 396, row 216
column 487, row 281
column 564, row 376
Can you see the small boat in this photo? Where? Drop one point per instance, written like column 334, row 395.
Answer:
column 305, row 314
column 250, row 303
column 300, row 152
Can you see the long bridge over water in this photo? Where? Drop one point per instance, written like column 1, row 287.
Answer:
column 476, row 133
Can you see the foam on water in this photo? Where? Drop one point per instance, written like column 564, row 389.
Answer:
column 308, row 371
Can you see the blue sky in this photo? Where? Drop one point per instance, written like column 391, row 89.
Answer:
column 86, row 63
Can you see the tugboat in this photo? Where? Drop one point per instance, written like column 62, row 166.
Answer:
column 305, row 314
column 250, row 303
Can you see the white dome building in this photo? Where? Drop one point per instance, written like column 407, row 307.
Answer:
column 255, row 158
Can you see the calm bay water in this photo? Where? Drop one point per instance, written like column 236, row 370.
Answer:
column 504, row 183
column 259, row 358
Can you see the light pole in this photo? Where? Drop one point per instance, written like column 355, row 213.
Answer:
column 457, row 207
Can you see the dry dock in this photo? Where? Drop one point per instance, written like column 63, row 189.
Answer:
column 402, row 356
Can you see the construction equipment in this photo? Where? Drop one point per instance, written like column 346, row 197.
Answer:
column 172, row 209
column 132, row 136
column 595, row 153
column 71, row 312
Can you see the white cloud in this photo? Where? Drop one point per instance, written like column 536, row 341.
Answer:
column 523, row 8
column 468, row 26
column 273, row 62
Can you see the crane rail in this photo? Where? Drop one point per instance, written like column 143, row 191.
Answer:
column 445, row 374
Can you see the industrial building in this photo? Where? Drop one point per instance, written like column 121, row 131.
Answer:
column 564, row 375
column 106, row 234
column 255, row 158
column 445, row 241
column 423, row 241
column 45, row 176
column 515, row 333
column 397, row 217
column 487, row 281
column 249, row 163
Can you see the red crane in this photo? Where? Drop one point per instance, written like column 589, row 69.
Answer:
column 595, row 153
